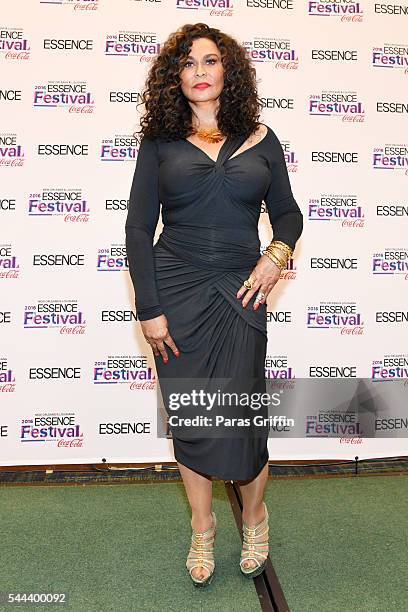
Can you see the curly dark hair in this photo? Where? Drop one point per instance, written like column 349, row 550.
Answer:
column 168, row 114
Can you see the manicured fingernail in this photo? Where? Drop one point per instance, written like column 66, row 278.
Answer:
column 177, row 354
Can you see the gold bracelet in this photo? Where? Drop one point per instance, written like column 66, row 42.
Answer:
column 283, row 246
column 280, row 262
column 278, row 251
column 272, row 257
column 273, row 248
column 280, row 255
column 277, row 263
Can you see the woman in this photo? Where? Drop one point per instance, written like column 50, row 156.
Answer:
column 201, row 289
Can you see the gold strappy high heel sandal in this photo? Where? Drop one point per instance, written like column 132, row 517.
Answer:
column 255, row 550
column 201, row 553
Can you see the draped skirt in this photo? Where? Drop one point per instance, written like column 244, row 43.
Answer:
column 218, row 339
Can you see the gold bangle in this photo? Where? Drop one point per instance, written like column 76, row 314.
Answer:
column 280, row 265
column 278, row 254
column 279, row 262
column 283, row 246
column 276, row 250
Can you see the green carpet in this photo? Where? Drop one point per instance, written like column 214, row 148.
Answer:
column 337, row 545
column 116, row 548
column 340, row 544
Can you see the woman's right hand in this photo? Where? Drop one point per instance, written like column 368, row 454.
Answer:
column 157, row 333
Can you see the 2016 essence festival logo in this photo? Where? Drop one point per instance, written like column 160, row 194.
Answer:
column 333, row 424
column 118, row 149
column 393, row 56
column 73, row 96
column 68, row 204
column 391, row 157
column 143, row 45
column 112, row 259
column 337, row 104
column 341, row 209
column 14, row 45
column 278, row 368
column 64, row 315
column 11, row 151
column 133, row 371
column 278, row 53
column 63, row 429
column 7, row 377
column 343, row 317
column 390, row 367
column 343, row 10
column 391, row 262
column 9, row 265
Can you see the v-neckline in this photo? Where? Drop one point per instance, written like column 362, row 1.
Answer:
column 214, row 161
column 224, row 144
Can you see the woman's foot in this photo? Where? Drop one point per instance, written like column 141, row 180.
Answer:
column 251, row 519
column 200, row 560
column 255, row 547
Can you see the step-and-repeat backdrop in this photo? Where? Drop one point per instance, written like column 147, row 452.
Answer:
column 77, row 378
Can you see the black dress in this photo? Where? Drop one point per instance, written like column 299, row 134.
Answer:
column 208, row 246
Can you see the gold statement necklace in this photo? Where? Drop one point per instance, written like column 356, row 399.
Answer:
column 209, row 134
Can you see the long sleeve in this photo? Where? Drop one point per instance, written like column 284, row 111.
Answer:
column 284, row 213
column 140, row 227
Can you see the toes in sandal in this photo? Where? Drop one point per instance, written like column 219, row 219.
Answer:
column 201, row 554
column 255, row 546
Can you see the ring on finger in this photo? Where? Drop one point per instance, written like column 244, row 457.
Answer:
column 260, row 296
column 249, row 283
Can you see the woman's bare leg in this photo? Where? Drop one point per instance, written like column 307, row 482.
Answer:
column 252, row 496
column 199, row 493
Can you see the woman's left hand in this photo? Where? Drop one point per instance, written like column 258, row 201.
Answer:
column 265, row 275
